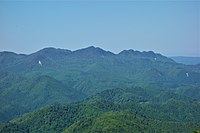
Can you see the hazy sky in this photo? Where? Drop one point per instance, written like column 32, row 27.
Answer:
column 170, row 27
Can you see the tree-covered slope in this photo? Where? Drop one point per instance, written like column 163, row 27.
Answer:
column 28, row 94
column 190, row 91
column 106, row 111
column 127, row 122
column 56, row 117
column 50, row 75
column 157, row 104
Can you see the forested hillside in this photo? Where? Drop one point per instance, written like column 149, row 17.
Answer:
column 118, row 112
column 93, row 90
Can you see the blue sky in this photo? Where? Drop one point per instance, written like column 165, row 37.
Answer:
column 169, row 27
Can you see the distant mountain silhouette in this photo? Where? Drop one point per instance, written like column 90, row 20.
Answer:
column 186, row 60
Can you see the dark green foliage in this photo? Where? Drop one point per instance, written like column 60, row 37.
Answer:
column 115, row 122
column 56, row 118
column 161, row 105
column 163, row 94
column 48, row 119
column 29, row 94
column 127, row 122
column 196, row 131
column 108, row 112
column 189, row 91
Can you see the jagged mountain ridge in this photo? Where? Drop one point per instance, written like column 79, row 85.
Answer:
column 88, row 52
column 84, row 72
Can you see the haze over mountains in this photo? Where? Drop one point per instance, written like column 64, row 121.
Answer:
column 186, row 60
column 92, row 82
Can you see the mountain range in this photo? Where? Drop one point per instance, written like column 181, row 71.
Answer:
column 186, row 60
column 58, row 90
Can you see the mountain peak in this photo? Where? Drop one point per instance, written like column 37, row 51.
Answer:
column 50, row 50
column 129, row 52
column 91, row 47
column 145, row 54
column 92, row 51
column 138, row 53
column 149, row 54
